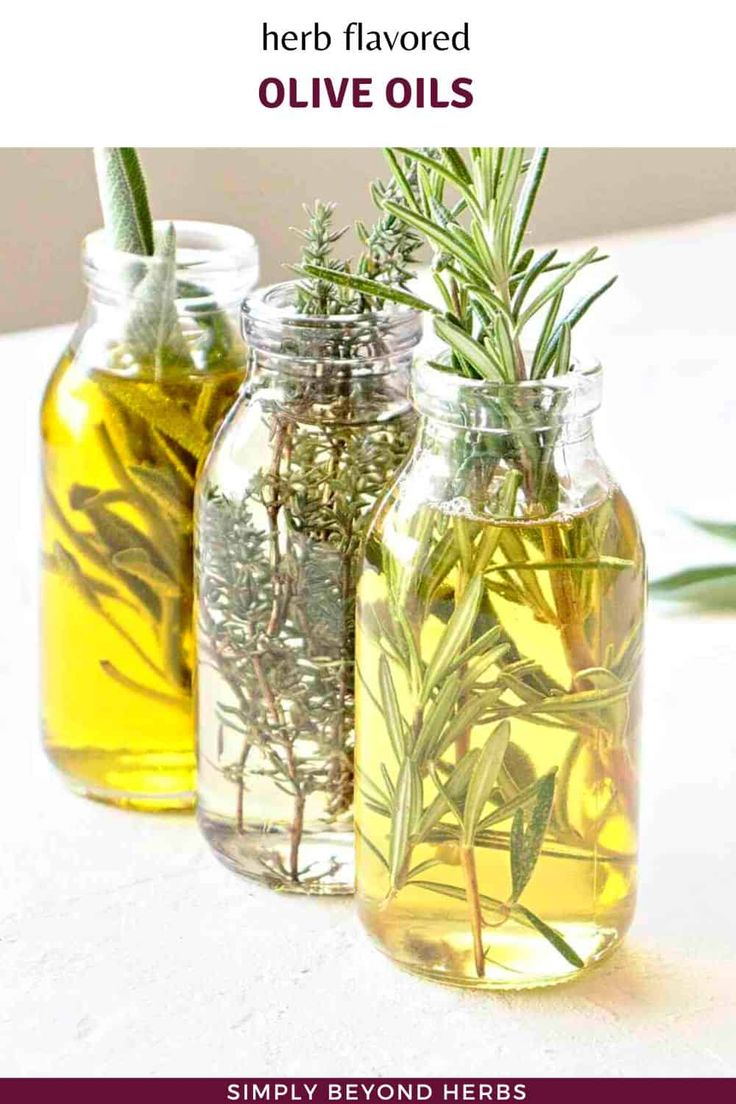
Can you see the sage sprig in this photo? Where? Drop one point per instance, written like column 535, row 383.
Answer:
column 154, row 424
column 124, row 200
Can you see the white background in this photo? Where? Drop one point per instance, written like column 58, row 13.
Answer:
column 124, row 948
column 186, row 72
column 127, row 950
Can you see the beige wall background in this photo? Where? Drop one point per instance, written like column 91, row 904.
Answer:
column 48, row 202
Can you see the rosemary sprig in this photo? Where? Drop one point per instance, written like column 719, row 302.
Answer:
column 707, row 586
column 474, row 212
column 504, row 318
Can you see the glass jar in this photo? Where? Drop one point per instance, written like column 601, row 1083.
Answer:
column 500, row 614
column 316, row 437
column 129, row 410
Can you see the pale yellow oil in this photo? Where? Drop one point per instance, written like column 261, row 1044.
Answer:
column 116, row 643
column 565, row 620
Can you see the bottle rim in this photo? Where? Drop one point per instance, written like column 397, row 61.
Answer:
column 302, row 343
column 224, row 259
column 475, row 403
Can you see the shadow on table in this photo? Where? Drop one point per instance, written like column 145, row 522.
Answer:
column 634, row 984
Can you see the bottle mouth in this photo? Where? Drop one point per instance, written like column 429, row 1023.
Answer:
column 218, row 260
column 273, row 325
column 499, row 407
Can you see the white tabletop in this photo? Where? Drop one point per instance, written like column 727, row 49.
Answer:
column 126, row 949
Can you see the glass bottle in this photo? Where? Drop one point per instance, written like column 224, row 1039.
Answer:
column 500, row 614
column 317, row 436
column 130, row 409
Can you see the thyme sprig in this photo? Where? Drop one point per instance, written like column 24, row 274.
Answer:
column 328, row 286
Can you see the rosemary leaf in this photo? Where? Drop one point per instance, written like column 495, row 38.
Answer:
column 692, row 575
column 453, row 638
column 551, row 934
column 484, row 363
column 368, row 287
column 483, row 780
column 526, row 843
column 454, row 789
column 490, row 904
column 408, row 808
column 431, row 736
column 392, row 712
column 522, row 801
column 725, row 530
column 526, row 201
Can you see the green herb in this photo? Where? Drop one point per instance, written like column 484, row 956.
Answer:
column 154, row 425
column 492, row 287
column 712, row 586
column 383, row 268
column 276, row 617
column 124, row 200
column 504, row 318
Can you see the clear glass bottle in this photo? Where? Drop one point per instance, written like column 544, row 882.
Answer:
column 129, row 411
column 500, row 615
column 317, row 436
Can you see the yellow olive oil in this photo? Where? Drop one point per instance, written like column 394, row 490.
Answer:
column 497, row 715
column 119, row 459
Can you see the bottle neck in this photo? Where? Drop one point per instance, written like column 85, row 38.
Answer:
column 330, row 392
column 527, row 473
column 178, row 310
column 351, row 368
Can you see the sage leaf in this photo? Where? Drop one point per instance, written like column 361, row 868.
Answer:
column 124, row 200
column 162, row 486
column 180, row 701
column 68, row 567
column 137, row 562
column 164, row 414
column 152, row 331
